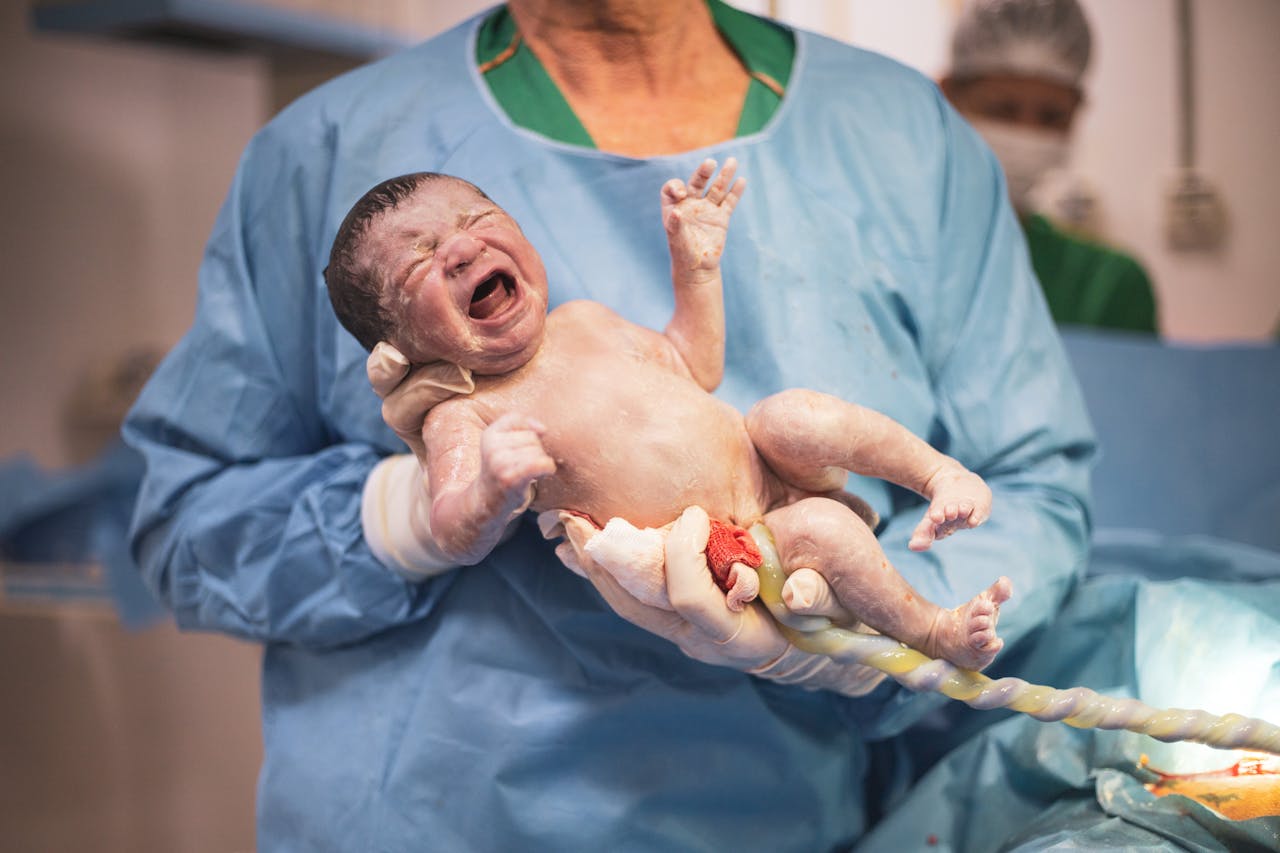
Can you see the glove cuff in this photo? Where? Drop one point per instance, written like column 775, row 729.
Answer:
column 819, row 672
column 395, row 512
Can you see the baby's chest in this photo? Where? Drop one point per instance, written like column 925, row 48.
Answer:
column 587, row 389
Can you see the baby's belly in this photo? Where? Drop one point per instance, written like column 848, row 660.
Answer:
column 647, row 458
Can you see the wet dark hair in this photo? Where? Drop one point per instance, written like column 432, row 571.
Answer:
column 356, row 289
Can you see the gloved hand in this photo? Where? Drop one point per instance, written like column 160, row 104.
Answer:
column 701, row 622
column 395, row 507
column 408, row 396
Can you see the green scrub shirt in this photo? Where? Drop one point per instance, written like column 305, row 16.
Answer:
column 530, row 98
column 1088, row 284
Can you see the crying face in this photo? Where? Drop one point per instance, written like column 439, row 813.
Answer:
column 464, row 283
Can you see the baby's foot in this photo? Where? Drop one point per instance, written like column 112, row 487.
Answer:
column 966, row 636
column 959, row 499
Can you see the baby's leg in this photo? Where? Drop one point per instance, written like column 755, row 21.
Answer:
column 802, row 435
column 810, row 440
column 824, row 535
column 966, row 636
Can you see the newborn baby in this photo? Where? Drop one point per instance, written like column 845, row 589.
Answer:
column 579, row 409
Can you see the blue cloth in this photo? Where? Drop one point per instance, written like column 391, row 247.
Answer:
column 1178, row 622
column 80, row 515
column 504, row 706
column 1189, row 435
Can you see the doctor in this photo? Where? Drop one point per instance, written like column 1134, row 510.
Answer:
column 506, row 705
column 1016, row 74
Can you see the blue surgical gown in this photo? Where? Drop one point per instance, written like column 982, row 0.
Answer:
column 504, row 706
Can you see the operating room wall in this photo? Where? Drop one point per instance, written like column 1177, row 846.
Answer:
column 115, row 160
column 1126, row 142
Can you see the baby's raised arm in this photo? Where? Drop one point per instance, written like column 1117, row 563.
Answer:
column 696, row 218
column 481, row 476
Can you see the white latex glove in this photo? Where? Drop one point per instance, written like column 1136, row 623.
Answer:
column 395, row 507
column 701, row 622
column 395, row 511
column 407, row 395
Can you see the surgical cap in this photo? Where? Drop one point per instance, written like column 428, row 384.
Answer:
column 1038, row 38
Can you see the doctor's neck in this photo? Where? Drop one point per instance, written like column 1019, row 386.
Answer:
column 644, row 77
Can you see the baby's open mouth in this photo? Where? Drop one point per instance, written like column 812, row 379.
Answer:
column 492, row 295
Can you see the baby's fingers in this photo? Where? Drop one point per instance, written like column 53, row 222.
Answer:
column 513, row 475
column 720, row 187
column 702, row 176
column 674, row 191
column 735, row 194
column 514, row 422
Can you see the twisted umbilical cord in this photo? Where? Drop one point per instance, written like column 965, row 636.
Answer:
column 1076, row 706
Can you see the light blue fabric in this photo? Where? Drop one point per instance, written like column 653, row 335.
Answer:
column 1191, row 435
column 78, row 515
column 504, row 706
column 1208, row 639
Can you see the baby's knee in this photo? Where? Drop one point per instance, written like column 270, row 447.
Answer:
column 820, row 526
column 778, row 422
column 831, row 524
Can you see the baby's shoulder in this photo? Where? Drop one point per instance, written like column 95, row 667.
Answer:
column 585, row 311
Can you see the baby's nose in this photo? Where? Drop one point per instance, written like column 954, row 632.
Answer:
column 459, row 252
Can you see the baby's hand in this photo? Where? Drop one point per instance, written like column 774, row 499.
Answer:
column 512, row 459
column 697, row 217
column 958, row 499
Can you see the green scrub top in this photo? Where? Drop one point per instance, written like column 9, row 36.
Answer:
column 1088, row 284
column 530, row 98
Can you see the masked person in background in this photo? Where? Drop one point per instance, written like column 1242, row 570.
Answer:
column 1016, row 69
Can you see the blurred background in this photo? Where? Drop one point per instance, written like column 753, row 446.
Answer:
column 121, row 124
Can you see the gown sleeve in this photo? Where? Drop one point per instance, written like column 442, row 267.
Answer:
column 1008, row 407
column 248, row 520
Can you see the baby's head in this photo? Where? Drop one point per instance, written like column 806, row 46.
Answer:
column 428, row 263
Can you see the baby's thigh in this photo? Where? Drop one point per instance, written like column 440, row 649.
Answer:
column 803, row 435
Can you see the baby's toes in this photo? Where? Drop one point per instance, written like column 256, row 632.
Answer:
column 988, row 643
column 948, row 527
column 1000, row 591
